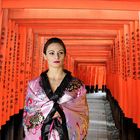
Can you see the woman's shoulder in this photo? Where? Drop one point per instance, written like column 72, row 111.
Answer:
column 74, row 84
column 34, row 82
column 76, row 80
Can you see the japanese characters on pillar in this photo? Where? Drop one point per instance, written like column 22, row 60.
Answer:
column 116, row 84
column 119, row 55
column 35, row 57
column 38, row 64
column 16, row 100
column 14, row 72
column 8, row 63
column 42, row 62
column 120, row 34
column 136, row 103
column 128, row 71
column 138, row 69
column 123, row 79
column 114, row 65
column 3, row 53
column 126, row 46
column 116, row 55
column 1, row 15
column 29, row 51
column 20, row 67
column 28, row 58
column 133, row 68
column 123, row 56
column 133, row 54
column 12, row 69
column 126, row 55
column 138, row 50
column 113, row 58
column 108, row 69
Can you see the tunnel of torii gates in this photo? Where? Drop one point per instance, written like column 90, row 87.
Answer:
column 102, row 40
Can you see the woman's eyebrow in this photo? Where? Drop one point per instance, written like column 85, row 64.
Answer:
column 61, row 50
column 54, row 51
column 50, row 50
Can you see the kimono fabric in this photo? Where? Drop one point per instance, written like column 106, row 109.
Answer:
column 69, row 100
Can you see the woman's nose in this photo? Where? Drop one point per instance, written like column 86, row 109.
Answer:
column 57, row 55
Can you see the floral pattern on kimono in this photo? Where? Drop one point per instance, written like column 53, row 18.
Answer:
column 72, row 102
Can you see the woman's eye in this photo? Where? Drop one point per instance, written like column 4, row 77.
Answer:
column 61, row 52
column 51, row 53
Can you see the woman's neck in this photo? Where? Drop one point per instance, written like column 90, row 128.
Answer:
column 55, row 73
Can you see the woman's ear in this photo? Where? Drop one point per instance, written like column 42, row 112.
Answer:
column 45, row 56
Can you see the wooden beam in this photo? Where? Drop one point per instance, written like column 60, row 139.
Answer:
column 82, row 37
column 91, row 60
column 73, row 14
column 1, row 15
column 73, row 4
column 62, row 35
column 94, row 63
column 73, row 21
column 78, row 32
column 90, row 55
column 72, row 26
column 89, row 47
column 89, row 42
column 90, row 51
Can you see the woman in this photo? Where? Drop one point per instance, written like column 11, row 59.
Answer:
column 55, row 106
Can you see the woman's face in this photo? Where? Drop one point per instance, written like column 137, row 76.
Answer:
column 55, row 55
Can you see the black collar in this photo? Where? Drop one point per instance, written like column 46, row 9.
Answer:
column 59, row 92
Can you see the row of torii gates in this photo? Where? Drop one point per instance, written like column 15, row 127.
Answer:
column 102, row 38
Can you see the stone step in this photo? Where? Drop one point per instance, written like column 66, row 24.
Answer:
column 99, row 125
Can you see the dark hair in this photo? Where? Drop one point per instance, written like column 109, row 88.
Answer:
column 54, row 40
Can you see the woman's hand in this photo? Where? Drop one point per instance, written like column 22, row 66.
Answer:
column 57, row 115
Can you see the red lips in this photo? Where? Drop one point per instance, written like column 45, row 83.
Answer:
column 56, row 62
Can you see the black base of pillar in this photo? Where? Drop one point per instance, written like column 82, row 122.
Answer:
column 128, row 130
column 87, row 88
column 96, row 88
column 91, row 89
column 13, row 129
column 103, row 88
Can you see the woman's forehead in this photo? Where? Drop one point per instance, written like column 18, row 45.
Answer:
column 55, row 46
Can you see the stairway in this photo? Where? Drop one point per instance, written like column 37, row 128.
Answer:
column 101, row 123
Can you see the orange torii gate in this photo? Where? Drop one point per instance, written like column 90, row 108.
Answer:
column 91, row 36
column 124, row 68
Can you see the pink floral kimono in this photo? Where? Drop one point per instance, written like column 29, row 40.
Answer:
column 69, row 100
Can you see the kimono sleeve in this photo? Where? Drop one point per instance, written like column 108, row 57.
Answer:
column 77, row 115
column 32, row 115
